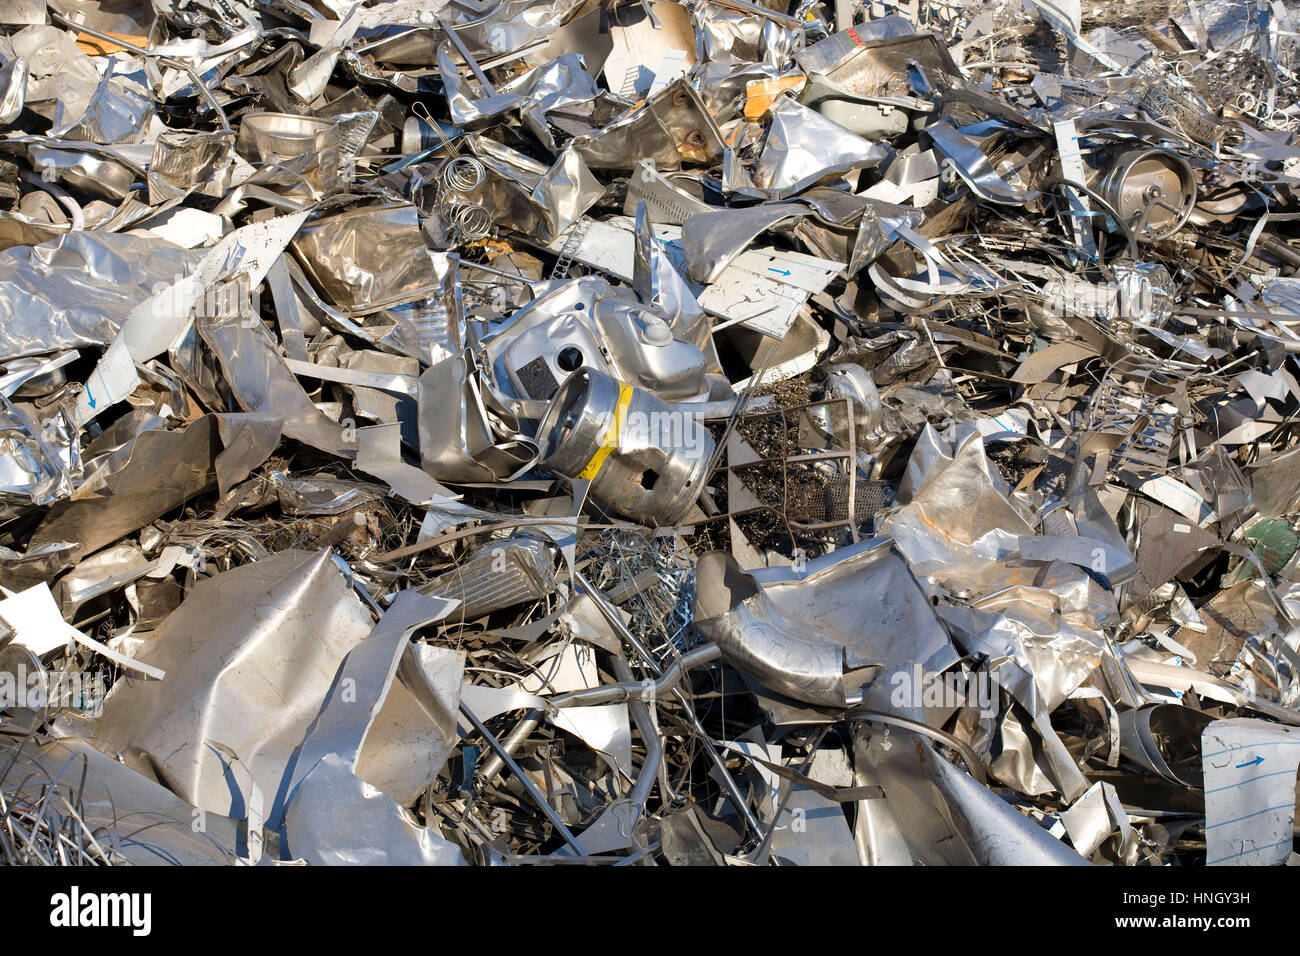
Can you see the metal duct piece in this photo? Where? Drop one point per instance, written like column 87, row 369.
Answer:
column 805, row 631
column 1165, row 738
column 760, row 640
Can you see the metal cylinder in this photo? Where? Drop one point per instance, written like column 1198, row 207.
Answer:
column 645, row 459
column 1153, row 190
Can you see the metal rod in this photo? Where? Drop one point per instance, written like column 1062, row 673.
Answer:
column 637, row 690
column 531, row 720
column 538, row 797
column 142, row 51
column 616, row 622
column 973, row 763
column 465, row 55
column 654, row 746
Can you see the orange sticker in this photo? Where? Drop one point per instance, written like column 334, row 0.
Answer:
column 761, row 94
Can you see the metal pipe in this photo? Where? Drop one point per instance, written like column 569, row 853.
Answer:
column 630, row 690
column 654, row 747
column 538, row 797
column 969, row 756
column 531, row 720
column 513, row 276
column 610, row 613
column 789, row 22
column 556, row 859
column 732, row 788
column 616, row 622
column 635, row 689
column 1280, row 249
column 654, row 753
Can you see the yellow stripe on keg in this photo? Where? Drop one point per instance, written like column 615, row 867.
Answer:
column 611, row 436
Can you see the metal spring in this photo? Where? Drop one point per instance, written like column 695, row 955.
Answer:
column 466, row 219
column 462, row 174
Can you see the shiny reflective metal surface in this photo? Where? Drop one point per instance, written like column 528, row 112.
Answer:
column 546, row 433
column 295, row 141
column 644, row 459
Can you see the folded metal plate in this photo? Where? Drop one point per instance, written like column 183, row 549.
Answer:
column 165, row 469
column 250, row 655
column 368, row 258
column 334, row 817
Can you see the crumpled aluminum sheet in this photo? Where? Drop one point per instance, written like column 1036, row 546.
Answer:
column 528, row 196
column 164, row 469
column 673, row 127
column 803, row 148
column 950, row 485
column 118, row 111
column 367, row 259
column 261, row 383
column 74, row 291
column 465, row 434
column 560, row 83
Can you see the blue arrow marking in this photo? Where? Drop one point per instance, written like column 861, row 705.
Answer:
column 1251, row 763
column 91, row 398
column 780, row 272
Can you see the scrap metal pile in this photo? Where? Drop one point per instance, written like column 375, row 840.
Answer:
column 737, row 433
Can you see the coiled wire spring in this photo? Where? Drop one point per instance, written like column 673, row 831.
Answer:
column 464, row 219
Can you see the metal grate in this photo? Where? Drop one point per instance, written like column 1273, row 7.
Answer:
column 572, row 243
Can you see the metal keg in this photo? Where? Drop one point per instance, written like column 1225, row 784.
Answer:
column 646, row 459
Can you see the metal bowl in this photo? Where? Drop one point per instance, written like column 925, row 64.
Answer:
column 286, row 139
